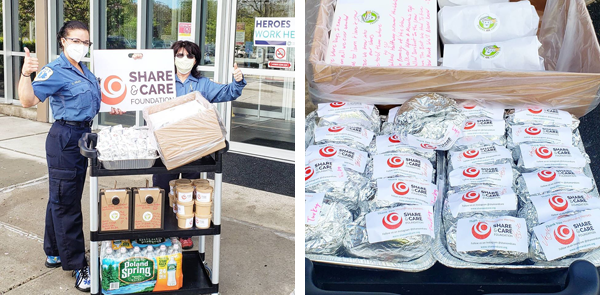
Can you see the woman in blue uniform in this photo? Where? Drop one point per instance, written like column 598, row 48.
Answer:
column 74, row 95
column 188, row 79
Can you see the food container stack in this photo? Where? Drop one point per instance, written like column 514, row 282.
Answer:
column 192, row 202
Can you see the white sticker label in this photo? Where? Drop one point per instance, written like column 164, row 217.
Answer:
column 568, row 235
column 392, row 143
column 352, row 158
column 493, row 175
column 550, row 206
column 479, row 140
column 392, row 114
column 400, row 222
column 202, row 222
column 534, row 133
column 313, row 203
column 484, row 127
column 402, row 165
column 535, row 115
column 503, row 233
column 203, row 197
column 552, row 179
column 337, row 108
column 443, row 144
column 481, row 155
column 182, row 211
column 324, row 171
column 344, row 134
column 185, row 197
column 406, row 191
column 482, row 200
column 538, row 156
column 473, row 110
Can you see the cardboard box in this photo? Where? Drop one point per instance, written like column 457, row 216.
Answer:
column 148, row 211
column 115, row 210
column 569, row 47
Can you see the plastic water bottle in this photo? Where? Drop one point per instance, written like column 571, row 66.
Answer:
column 136, row 252
column 149, row 252
column 171, row 270
column 162, row 251
column 174, row 249
column 108, row 253
column 122, row 254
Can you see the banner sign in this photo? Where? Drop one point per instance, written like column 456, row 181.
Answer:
column 274, row 31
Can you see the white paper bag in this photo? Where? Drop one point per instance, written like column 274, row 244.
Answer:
column 468, row 2
column 487, row 23
column 516, row 54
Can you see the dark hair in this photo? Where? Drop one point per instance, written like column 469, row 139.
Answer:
column 68, row 26
column 192, row 48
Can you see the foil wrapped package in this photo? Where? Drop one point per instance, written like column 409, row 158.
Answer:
column 430, row 121
column 549, row 180
column 478, row 202
column 402, row 165
column 349, row 114
column 489, row 240
column 324, row 224
column 519, row 134
column 476, row 109
column 489, row 155
column 535, row 156
column 353, row 159
column 394, row 192
column 541, row 116
column 543, row 208
column 309, row 129
column 494, row 130
column 356, row 137
column 501, row 175
column 399, row 234
column 391, row 143
column 567, row 237
column 465, row 143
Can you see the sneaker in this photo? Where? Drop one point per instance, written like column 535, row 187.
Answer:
column 186, row 243
column 82, row 279
column 53, row 261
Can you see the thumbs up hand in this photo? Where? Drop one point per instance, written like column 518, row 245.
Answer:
column 30, row 64
column 237, row 73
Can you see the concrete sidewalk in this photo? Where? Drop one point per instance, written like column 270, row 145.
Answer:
column 257, row 239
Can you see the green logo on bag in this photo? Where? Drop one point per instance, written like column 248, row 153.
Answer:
column 136, row 270
column 487, row 23
column 490, row 51
column 370, row 17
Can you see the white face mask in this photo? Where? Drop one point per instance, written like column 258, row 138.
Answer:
column 184, row 65
column 76, row 51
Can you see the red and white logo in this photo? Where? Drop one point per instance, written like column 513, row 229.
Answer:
column 392, row 221
column 469, row 125
column 394, row 138
column 558, row 203
column 336, row 129
column 308, row 173
column 338, row 104
column 543, row 152
column 535, row 111
column 471, row 197
column 427, row 146
column 547, row 175
column 395, row 162
column 328, row 151
column 564, row 234
column 114, row 90
column 469, row 107
column 532, row 130
column 471, row 172
column 470, row 154
column 400, row 188
column 481, row 230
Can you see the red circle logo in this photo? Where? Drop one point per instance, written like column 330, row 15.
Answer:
column 543, row 152
column 547, row 175
column 392, row 221
column 564, row 234
column 469, row 125
column 328, row 151
column 558, row 203
column 400, row 188
column 427, row 146
column 471, row 172
column 395, row 162
column 336, row 129
column 470, row 154
column 394, row 139
column 471, row 197
column 308, row 173
column 113, row 90
column 469, row 107
column 337, row 104
column 481, row 230
column 535, row 111
column 532, row 130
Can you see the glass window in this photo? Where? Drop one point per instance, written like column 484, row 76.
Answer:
column 72, row 10
column 121, row 24
column 24, row 25
column 208, row 32
column 167, row 15
column 16, row 73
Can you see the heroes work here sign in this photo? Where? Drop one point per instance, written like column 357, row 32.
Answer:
column 274, row 31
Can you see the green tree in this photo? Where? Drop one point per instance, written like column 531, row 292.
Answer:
column 77, row 10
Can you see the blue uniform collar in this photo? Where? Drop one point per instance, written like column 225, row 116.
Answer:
column 64, row 62
column 189, row 78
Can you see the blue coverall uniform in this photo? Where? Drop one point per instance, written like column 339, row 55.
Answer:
column 74, row 97
column 213, row 92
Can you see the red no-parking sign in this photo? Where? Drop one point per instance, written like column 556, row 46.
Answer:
column 280, row 53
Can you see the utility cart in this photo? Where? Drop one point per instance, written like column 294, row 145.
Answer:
column 198, row 278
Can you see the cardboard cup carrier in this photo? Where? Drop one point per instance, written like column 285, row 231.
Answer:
column 148, row 207
column 115, row 209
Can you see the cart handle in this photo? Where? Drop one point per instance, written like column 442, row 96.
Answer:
column 87, row 145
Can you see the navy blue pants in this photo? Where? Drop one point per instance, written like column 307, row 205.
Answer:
column 162, row 180
column 67, row 169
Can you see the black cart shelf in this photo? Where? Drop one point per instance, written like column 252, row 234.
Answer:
column 197, row 279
